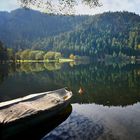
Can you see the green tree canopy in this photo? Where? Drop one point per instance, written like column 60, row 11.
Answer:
column 25, row 54
column 49, row 55
column 52, row 55
column 40, row 55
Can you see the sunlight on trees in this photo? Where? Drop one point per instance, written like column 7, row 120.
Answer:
column 72, row 56
column 40, row 55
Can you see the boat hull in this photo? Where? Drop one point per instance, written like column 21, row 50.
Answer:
column 24, row 117
column 34, row 127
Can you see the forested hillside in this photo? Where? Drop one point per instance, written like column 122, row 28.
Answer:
column 22, row 26
column 116, row 34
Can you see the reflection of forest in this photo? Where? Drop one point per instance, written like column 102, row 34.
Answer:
column 37, row 67
column 6, row 70
column 99, row 83
column 102, row 84
column 3, row 73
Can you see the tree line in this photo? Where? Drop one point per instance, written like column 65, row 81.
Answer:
column 37, row 55
column 8, row 54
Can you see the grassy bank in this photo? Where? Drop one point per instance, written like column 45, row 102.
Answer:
column 63, row 60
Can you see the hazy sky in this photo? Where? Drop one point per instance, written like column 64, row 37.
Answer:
column 108, row 5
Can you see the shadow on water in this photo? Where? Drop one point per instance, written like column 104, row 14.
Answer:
column 34, row 128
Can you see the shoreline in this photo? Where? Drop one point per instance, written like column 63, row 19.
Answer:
column 63, row 60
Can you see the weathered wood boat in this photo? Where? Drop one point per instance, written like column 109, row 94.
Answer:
column 26, row 112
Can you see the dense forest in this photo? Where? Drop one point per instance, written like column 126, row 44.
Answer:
column 115, row 34
column 19, row 28
column 104, row 36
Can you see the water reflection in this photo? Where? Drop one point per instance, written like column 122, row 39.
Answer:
column 97, row 83
column 3, row 72
column 91, row 122
column 108, row 96
column 38, row 67
column 100, row 83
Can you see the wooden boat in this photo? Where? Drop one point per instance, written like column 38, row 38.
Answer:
column 17, row 109
column 26, row 112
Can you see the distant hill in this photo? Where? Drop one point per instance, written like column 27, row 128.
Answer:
column 22, row 26
column 115, row 34
column 110, row 33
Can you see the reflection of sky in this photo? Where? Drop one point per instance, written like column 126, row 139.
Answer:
column 97, row 121
column 108, row 5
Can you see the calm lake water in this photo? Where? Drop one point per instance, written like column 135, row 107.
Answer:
column 107, row 108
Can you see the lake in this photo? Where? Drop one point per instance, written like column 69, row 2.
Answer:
column 106, row 96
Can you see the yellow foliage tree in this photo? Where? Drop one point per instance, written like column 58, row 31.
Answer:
column 72, row 56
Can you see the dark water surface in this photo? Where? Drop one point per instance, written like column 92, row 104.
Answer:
column 105, row 103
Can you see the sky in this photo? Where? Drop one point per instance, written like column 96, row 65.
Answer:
column 107, row 5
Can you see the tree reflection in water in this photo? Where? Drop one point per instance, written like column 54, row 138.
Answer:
column 107, row 84
column 109, row 105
